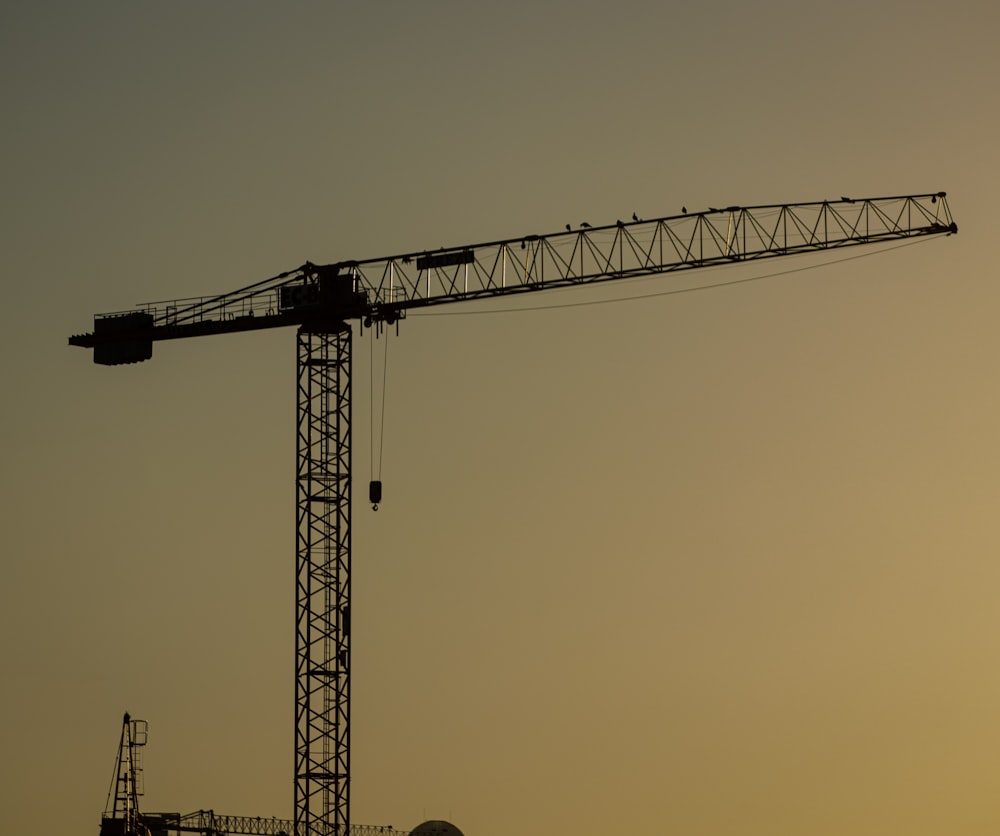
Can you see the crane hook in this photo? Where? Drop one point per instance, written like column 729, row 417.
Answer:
column 375, row 493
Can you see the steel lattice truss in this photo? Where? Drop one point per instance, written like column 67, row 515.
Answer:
column 323, row 574
column 639, row 248
column 384, row 288
column 210, row 823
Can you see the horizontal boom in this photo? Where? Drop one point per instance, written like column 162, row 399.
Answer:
column 383, row 289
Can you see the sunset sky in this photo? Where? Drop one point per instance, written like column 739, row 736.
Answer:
column 716, row 563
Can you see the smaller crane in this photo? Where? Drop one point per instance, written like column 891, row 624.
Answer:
column 122, row 817
column 210, row 823
column 121, row 814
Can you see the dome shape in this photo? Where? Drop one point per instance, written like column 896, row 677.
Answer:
column 436, row 828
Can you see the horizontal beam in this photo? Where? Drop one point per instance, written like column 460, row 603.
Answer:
column 383, row 289
column 210, row 823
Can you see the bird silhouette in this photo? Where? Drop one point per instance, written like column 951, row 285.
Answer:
column 635, row 217
column 569, row 228
column 585, row 225
column 684, row 210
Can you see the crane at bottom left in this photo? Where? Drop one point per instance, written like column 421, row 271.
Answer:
column 122, row 816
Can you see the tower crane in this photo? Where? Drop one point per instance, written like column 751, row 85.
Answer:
column 321, row 301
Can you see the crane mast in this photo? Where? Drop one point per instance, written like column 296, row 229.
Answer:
column 321, row 301
column 121, row 815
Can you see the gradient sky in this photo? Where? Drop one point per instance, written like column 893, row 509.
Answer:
column 716, row 563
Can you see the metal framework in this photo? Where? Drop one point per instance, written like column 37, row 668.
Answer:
column 121, row 813
column 323, row 581
column 320, row 300
column 383, row 289
column 210, row 823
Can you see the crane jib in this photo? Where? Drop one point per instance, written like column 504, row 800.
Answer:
column 380, row 290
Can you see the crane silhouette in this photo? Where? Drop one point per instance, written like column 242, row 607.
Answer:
column 321, row 301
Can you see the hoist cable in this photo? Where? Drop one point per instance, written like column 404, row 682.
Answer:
column 385, row 376
column 371, row 403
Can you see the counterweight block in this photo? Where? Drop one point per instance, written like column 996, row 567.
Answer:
column 123, row 339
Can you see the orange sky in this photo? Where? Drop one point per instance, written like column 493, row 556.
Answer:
column 706, row 564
